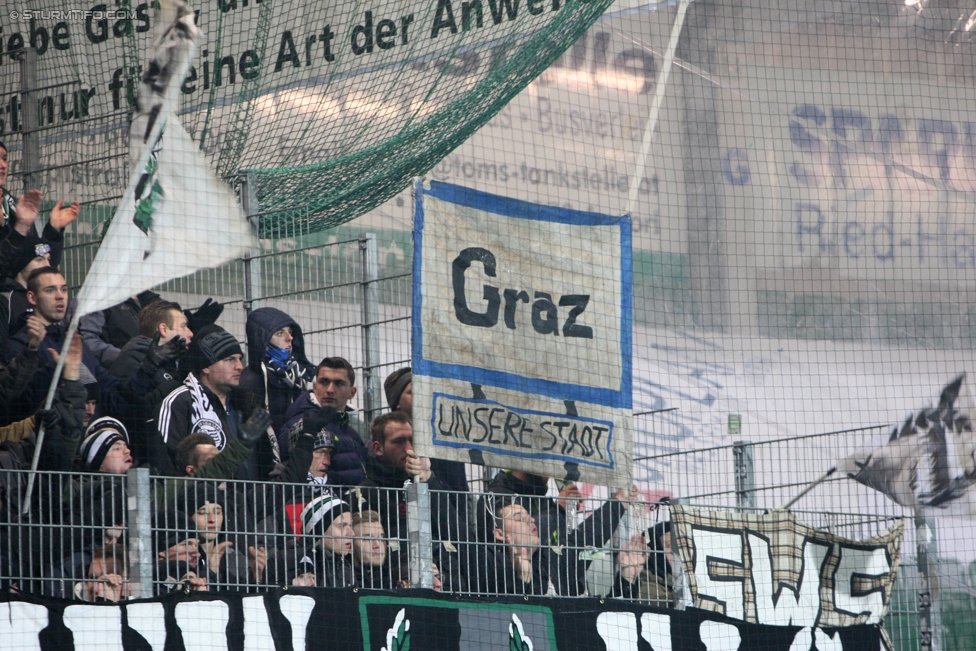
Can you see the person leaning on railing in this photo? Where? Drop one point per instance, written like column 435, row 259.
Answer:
column 392, row 461
column 108, row 576
column 279, row 507
column 323, row 556
column 208, row 520
column 517, row 562
column 369, row 552
column 644, row 567
column 568, row 573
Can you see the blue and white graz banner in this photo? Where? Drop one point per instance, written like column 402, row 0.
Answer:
column 522, row 335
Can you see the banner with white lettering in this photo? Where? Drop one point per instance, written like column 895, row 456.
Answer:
column 773, row 569
column 322, row 619
column 522, row 335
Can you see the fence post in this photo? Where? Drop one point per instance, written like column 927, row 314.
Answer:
column 139, row 506
column 253, row 290
column 679, row 584
column 371, row 336
column 30, row 116
column 926, row 549
column 745, row 478
column 419, row 544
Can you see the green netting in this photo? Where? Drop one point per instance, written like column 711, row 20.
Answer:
column 342, row 188
column 332, row 108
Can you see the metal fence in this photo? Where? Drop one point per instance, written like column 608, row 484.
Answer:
column 99, row 537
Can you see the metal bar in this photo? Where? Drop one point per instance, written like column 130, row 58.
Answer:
column 81, row 121
column 356, row 325
column 39, row 444
column 141, row 558
column 809, row 488
column 28, row 79
column 656, row 411
column 927, row 615
column 659, row 87
column 421, row 553
column 296, row 292
column 63, row 83
column 84, row 162
column 252, row 260
column 782, row 440
column 316, row 247
column 371, row 335
column 745, row 479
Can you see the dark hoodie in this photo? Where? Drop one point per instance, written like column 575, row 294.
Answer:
column 277, row 395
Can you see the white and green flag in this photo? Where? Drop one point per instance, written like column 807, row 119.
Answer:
column 176, row 217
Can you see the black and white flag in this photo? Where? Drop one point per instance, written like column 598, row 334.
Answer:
column 930, row 461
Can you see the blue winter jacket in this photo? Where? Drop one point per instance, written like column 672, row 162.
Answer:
column 349, row 456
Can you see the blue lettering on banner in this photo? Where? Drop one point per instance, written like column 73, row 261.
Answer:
column 925, row 243
column 844, row 133
column 740, row 175
column 481, row 424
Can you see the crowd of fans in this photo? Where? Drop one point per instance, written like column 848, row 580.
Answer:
column 262, row 473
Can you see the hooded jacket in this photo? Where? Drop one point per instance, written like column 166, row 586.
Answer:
column 274, row 393
column 266, row 383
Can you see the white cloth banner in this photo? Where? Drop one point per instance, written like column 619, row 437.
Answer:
column 522, row 335
column 175, row 217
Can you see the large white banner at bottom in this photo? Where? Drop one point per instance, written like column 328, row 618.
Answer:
column 522, row 335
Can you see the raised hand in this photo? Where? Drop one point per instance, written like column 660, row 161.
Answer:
column 160, row 355
column 255, row 427
column 36, row 331
column 61, row 216
column 204, row 315
column 28, row 205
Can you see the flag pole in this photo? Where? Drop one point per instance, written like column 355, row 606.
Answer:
column 662, row 82
column 72, row 328
column 810, row 487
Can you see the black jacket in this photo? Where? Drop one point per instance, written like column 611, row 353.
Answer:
column 108, row 331
column 111, row 401
column 51, row 236
column 383, row 492
column 568, row 567
column 13, row 307
column 349, row 455
column 175, row 419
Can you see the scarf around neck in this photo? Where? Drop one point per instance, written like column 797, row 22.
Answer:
column 203, row 415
